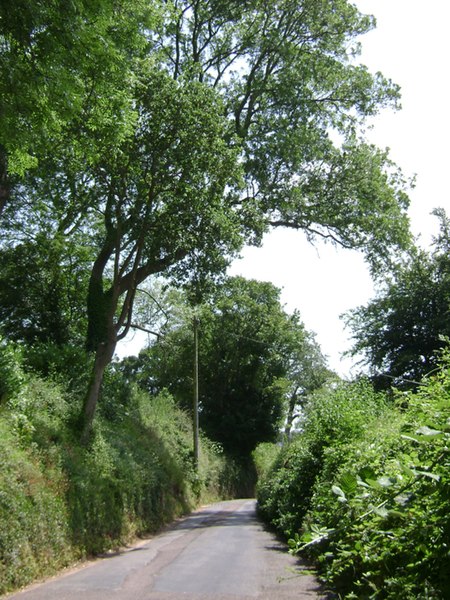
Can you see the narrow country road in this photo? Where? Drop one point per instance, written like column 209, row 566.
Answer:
column 220, row 552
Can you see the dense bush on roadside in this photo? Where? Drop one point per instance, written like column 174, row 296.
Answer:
column 332, row 416
column 34, row 531
column 377, row 518
column 264, row 457
column 61, row 501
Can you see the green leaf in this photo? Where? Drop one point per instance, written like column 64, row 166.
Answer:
column 381, row 511
column 397, row 513
column 428, row 432
column 410, row 438
column 348, row 482
column 374, row 483
column 367, row 473
column 429, row 475
column 337, row 490
column 385, row 481
column 406, row 470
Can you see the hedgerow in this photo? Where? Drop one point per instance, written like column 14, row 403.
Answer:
column 332, row 416
column 376, row 519
column 61, row 501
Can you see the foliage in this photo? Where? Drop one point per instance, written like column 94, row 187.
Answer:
column 264, row 457
column 376, row 519
column 60, row 501
column 170, row 134
column 67, row 365
column 43, row 285
column 248, row 345
column 34, row 536
column 296, row 84
column 63, row 62
column 400, row 332
column 68, row 77
column 11, row 377
column 332, row 415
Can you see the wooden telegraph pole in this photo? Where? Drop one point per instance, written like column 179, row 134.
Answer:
column 196, row 445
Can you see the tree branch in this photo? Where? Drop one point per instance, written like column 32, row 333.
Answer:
column 151, row 268
column 145, row 330
column 308, row 229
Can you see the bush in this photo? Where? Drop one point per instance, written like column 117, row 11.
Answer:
column 378, row 522
column 60, row 501
column 331, row 416
column 138, row 473
column 69, row 365
column 34, row 535
column 264, row 457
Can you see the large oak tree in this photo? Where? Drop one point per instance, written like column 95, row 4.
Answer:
column 239, row 117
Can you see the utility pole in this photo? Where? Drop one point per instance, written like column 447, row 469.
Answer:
column 196, row 446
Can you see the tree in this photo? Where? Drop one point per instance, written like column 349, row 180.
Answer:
column 307, row 371
column 401, row 332
column 247, row 346
column 63, row 62
column 164, row 211
column 232, row 116
column 43, row 286
column 287, row 75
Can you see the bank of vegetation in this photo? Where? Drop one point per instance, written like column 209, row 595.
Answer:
column 364, row 490
column 363, row 487
column 62, row 501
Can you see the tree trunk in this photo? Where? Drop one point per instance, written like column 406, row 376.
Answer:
column 104, row 328
column 103, row 357
column 290, row 415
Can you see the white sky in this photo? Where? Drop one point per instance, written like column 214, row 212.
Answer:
column 411, row 46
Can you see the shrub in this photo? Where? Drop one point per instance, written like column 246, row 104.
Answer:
column 69, row 365
column 34, row 532
column 379, row 524
column 332, row 416
column 138, row 473
column 264, row 457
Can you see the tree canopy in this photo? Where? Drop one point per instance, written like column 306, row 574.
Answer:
column 252, row 356
column 63, row 63
column 401, row 332
column 173, row 133
column 43, row 286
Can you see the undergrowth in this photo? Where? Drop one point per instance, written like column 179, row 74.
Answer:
column 61, row 501
column 364, row 490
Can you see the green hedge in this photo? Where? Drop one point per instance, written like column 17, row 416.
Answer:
column 376, row 517
column 61, row 502
column 332, row 416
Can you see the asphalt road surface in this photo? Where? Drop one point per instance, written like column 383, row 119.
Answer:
column 220, row 552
